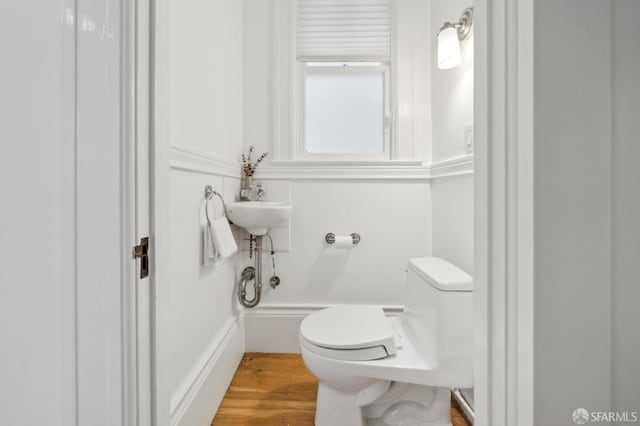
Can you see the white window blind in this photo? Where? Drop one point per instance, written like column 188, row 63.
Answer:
column 343, row 29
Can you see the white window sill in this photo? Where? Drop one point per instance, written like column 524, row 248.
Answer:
column 345, row 163
column 343, row 170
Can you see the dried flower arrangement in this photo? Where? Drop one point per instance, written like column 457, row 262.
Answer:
column 249, row 168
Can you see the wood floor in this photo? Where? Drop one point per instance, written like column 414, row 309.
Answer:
column 276, row 390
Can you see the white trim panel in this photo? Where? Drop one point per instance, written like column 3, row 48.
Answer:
column 199, row 395
column 264, row 319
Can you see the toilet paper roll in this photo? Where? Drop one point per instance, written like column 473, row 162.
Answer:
column 343, row 241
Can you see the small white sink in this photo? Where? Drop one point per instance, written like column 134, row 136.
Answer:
column 258, row 216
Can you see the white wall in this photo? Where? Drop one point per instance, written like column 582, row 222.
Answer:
column 204, row 338
column 626, row 206
column 572, row 114
column 206, row 77
column 258, row 81
column 452, row 111
column 60, row 244
column 452, row 215
column 391, row 215
column 389, row 218
column 452, row 106
column 586, row 208
column 452, row 89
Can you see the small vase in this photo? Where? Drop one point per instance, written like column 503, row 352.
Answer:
column 246, row 182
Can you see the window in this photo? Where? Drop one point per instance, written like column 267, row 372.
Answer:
column 343, row 60
column 345, row 109
column 351, row 83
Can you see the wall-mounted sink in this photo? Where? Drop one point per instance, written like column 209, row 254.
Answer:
column 258, row 216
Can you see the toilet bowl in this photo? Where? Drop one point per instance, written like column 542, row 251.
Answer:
column 379, row 370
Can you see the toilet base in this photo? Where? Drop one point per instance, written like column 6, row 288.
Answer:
column 407, row 404
column 344, row 407
column 384, row 404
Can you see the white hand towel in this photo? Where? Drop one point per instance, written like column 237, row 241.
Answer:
column 208, row 248
column 223, row 240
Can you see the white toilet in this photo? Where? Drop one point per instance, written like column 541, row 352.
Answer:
column 376, row 370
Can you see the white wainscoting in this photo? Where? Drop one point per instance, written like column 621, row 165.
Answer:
column 197, row 399
column 274, row 328
column 205, row 327
column 452, row 218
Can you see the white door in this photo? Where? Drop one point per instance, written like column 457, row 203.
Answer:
column 63, row 255
column 37, row 216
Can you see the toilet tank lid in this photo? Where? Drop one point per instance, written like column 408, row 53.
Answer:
column 441, row 274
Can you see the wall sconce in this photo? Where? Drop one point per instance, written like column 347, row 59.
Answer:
column 449, row 38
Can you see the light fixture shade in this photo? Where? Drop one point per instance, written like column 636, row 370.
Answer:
column 449, row 54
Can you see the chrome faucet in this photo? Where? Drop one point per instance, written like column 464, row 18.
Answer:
column 254, row 193
column 260, row 192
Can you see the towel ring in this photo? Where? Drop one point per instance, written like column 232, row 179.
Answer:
column 209, row 192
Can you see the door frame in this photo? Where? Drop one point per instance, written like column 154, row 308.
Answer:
column 503, row 212
column 145, row 187
column 135, row 77
column 159, row 157
column 503, row 206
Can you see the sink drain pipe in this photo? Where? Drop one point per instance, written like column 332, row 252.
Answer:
column 250, row 273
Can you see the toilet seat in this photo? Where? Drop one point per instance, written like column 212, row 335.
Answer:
column 352, row 333
column 363, row 354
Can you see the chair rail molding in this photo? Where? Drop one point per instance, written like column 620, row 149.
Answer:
column 457, row 166
column 186, row 159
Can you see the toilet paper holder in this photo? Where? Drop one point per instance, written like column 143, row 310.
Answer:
column 330, row 238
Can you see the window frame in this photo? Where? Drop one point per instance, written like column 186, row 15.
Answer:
column 303, row 69
column 410, row 86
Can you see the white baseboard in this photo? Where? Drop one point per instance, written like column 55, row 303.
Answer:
column 274, row 328
column 196, row 401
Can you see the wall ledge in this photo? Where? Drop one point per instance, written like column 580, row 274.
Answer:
column 305, row 170
column 181, row 158
column 456, row 166
column 189, row 160
column 374, row 170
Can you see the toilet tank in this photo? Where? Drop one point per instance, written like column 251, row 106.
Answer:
column 439, row 315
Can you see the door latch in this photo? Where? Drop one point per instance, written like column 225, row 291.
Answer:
column 142, row 251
